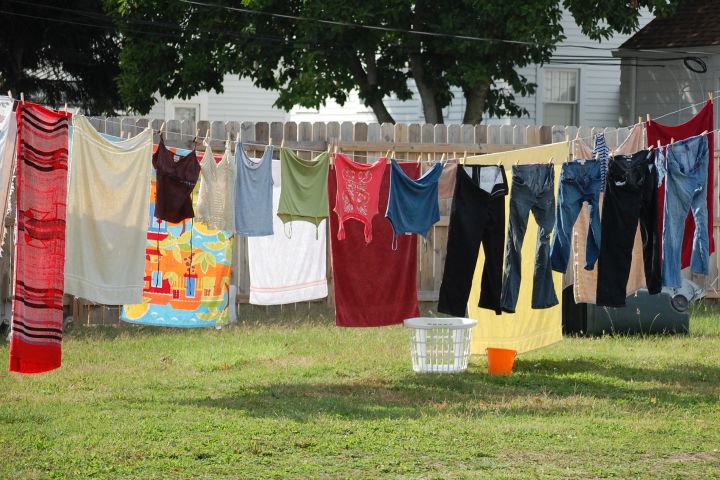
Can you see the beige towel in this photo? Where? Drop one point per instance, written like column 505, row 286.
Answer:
column 446, row 188
column 8, row 134
column 107, row 216
column 585, row 281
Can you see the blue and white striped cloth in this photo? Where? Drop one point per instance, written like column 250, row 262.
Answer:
column 600, row 152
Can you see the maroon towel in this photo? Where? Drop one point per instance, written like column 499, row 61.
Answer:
column 37, row 310
column 664, row 133
column 374, row 284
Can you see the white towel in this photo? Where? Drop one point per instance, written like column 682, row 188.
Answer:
column 287, row 270
column 8, row 134
column 107, row 216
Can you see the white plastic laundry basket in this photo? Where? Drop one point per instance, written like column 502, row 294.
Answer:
column 440, row 345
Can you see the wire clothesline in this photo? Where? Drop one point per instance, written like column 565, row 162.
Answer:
column 263, row 145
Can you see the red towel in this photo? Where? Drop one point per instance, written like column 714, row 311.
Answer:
column 37, row 318
column 695, row 126
column 374, row 284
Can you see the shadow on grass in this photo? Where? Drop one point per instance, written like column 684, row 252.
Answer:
column 545, row 388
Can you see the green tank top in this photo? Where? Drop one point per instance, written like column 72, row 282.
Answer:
column 303, row 187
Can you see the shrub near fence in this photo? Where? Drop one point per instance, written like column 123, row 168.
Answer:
column 366, row 142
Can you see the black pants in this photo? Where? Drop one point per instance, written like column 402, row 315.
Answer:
column 477, row 217
column 630, row 197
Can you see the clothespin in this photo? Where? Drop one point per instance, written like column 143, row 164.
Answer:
column 647, row 118
column 639, row 119
column 282, row 143
column 464, row 157
column 65, row 108
column 75, row 113
column 387, row 155
column 710, row 96
column 122, row 133
column 207, row 135
column 10, row 94
column 237, row 137
column 419, row 158
column 129, row 134
column 672, row 140
column 22, row 98
column 442, row 158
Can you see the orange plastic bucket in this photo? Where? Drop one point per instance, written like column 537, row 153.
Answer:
column 500, row 361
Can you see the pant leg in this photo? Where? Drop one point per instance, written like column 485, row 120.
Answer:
column 493, row 241
column 700, row 260
column 677, row 204
column 621, row 210
column 520, row 202
column 543, row 292
column 568, row 208
column 463, row 246
column 592, row 247
column 650, row 233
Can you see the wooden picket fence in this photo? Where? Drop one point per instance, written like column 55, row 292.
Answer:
column 367, row 142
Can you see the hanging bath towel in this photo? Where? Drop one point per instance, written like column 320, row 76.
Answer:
column 413, row 204
column 303, row 195
column 37, row 313
column 187, row 273
column 358, row 192
column 374, row 284
column 254, row 194
column 8, row 132
column 216, row 196
column 287, row 270
column 107, row 219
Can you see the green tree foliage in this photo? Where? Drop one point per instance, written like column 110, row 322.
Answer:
column 307, row 62
column 57, row 51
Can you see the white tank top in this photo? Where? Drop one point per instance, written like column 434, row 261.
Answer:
column 216, row 197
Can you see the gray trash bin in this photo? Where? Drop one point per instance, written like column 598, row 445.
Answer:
column 643, row 313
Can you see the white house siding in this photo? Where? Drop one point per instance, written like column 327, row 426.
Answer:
column 599, row 95
column 657, row 90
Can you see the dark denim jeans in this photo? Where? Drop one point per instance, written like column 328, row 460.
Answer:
column 630, row 199
column 580, row 182
column 686, row 163
column 533, row 189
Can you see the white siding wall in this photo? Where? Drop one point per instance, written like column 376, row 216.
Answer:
column 599, row 99
column 659, row 90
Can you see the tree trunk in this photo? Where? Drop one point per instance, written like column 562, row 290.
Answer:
column 475, row 98
column 431, row 108
column 367, row 85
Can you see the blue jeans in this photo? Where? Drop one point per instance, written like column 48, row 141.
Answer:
column 532, row 190
column 580, row 182
column 686, row 163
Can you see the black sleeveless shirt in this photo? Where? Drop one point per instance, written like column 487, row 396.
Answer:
column 175, row 183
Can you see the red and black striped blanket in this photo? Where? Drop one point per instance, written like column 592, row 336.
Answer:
column 41, row 179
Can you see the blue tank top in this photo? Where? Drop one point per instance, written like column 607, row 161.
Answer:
column 413, row 204
column 253, row 194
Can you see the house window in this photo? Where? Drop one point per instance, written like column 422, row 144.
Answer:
column 186, row 111
column 560, row 97
column 156, row 279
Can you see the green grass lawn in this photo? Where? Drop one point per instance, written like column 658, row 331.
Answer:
column 291, row 396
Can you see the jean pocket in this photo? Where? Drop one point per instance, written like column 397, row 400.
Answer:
column 518, row 180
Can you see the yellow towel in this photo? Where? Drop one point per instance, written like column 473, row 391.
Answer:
column 526, row 329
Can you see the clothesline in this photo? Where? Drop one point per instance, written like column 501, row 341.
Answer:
column 186, row 135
